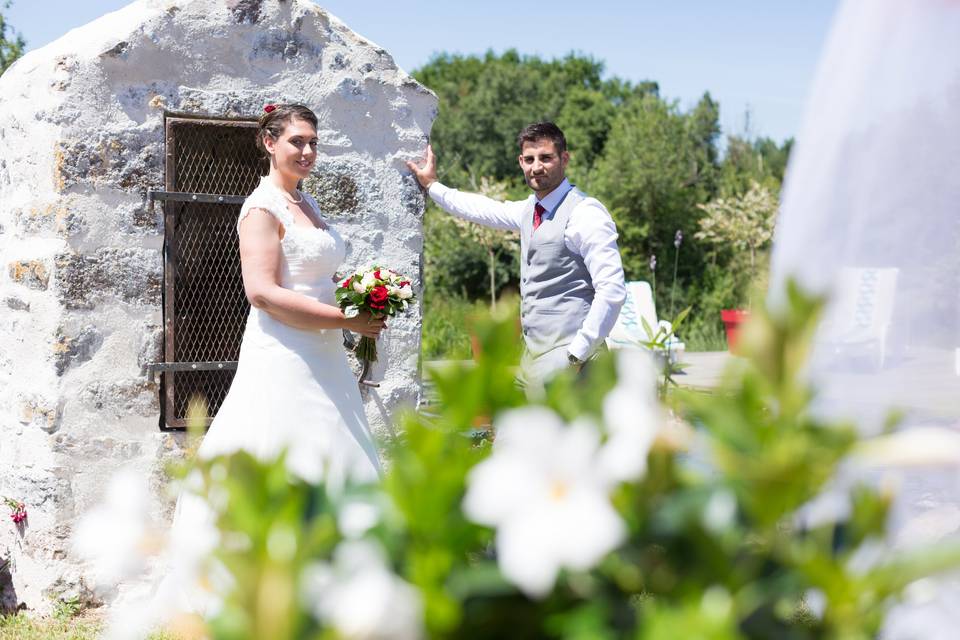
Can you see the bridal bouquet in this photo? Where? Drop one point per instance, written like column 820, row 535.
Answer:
column 382, row 292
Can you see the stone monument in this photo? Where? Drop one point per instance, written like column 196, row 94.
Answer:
column 88, row 145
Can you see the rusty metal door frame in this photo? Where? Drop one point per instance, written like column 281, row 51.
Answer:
column 203, row 195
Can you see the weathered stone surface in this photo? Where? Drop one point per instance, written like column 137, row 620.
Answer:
column 96, row 448
column 36, row 411
column 30, row 273
column 132, row 275
column 121, row 398
column 336, row 193
column 126, row 161
column 55, row 219
column 245, row 11
column 72, row 350
column 151, row 347
column 17, row 304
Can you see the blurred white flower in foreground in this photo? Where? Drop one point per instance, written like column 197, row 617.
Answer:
column 632, row 416
column 361, row 598
column 119, row 539
column 116, row 537
column 544, row 490
column 356, row 517
column 918, row 446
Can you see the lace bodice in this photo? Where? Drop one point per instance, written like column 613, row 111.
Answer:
column 311, row 256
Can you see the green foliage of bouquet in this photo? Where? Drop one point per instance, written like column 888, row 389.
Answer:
column 381, row 292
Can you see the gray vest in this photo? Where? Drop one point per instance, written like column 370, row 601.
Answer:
column 555, row 287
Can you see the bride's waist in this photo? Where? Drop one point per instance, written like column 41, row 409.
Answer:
column 322, row 290
column 265, row 330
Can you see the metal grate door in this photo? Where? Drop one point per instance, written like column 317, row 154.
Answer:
column 211, row 166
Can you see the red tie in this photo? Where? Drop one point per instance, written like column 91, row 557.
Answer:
column 538, row 212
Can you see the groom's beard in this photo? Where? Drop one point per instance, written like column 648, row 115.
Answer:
column 545, row 183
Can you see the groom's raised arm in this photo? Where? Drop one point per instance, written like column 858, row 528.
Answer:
column 478, row 208
column 469, row 206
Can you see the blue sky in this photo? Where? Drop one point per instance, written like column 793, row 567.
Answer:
column 756, row 54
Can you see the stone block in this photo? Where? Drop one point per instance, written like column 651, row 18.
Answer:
column 36, row 411
column 129, row 161
column 336, row 192
column 51, row 218
column 132, row 275
column 76, row 349
column 29, row 273
column 122, row 398
column 17, row 304
column 151, row 347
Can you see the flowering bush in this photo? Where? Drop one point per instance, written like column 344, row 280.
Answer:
column 382, row 292
column 592, row 514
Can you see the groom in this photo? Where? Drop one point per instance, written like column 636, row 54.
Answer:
column 571, row 276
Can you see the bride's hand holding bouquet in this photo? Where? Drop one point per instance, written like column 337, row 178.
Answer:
column 375, row 294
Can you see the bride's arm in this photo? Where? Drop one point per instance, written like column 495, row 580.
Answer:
column 260, row 259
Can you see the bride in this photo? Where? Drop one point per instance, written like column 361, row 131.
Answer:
column 293, row 388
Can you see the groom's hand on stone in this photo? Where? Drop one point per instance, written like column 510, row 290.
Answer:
column 427, row 174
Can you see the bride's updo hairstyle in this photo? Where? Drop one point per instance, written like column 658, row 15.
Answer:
column 275, row 119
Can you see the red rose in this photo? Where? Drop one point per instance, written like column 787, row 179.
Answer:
column 270, row 108
column 378, row 296
column 405, row 283
column 376, row 274
column 346, row 284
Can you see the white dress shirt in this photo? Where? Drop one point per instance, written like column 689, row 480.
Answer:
column 590, row 233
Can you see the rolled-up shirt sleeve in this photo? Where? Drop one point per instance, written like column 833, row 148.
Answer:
column 478, row 208
column 592, row 233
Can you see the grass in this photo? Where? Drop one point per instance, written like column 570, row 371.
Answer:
column 445, row 327
column 700, row 334
column 23, row 627
column 64, row 625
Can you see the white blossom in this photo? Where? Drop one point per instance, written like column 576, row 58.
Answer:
column 543, row 490
column 117, row 536
column 358, row 286
column 356, row 517
column 361, row 598
column 368, row 280
column 632, row 417
column 918, row 446
column 405, row 292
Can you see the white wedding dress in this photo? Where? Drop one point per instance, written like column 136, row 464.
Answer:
column 294, row 389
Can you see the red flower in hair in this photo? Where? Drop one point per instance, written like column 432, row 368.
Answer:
column 270, row 108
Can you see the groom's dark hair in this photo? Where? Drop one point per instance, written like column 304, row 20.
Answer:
column 543, row 131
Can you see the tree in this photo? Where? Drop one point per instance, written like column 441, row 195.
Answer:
column 485, row 101
column 743, row 224
column 11, row 42
column 495, row 242
column 653, row 172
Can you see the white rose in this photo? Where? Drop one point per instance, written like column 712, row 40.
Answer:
column 392, row 290
column 405, row 292
column 358, row 286
column 367, row 281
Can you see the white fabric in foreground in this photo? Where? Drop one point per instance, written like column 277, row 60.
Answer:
column 871, row 215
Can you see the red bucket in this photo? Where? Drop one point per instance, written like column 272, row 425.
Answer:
column 732, row 319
